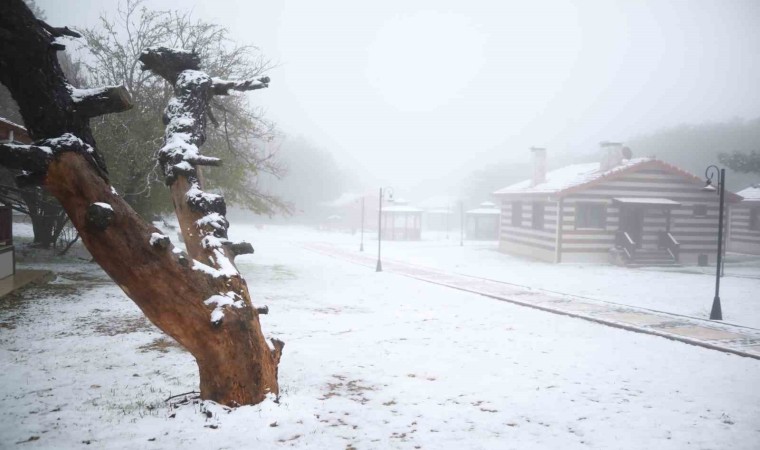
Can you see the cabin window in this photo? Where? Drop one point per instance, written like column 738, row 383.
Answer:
column 700, row 210
column 516, row 214
column 537, row 217
column 590, row 215
column 754, row 219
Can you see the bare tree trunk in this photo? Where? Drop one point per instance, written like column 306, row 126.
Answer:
column 47, row 216
column 199, row 299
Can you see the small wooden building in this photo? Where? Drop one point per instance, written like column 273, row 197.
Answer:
column 744, row 222
column 345, row 212
column 13, row 132
column 440, row 213
column 482, row 223
column 401, row 222
column 9, row 133
column 623, row 209
column 7, row 253
column 438, row 219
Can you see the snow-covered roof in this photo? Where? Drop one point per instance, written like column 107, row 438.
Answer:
column 401, row 209
column 569, row 177
column 439, row 202
column 485, row 209
column 646, row 201
column 751, row 194
column 484, row 212
column 12, row 124
column 344, row 199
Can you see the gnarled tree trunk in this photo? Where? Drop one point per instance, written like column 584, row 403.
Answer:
column 198, row 298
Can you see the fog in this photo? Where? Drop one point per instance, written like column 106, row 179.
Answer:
column 417, row 94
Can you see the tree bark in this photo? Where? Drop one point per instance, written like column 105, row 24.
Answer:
column 203, row 304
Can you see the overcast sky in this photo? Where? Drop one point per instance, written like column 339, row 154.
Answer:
column 414, row 90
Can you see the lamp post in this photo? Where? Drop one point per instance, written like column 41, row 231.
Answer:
column 361, row 246
column 379, row 267
column 448, row 213
column 712, row 171
column 461, row 223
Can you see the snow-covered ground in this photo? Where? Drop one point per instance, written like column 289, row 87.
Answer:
column 372, row 360
column 688, row 290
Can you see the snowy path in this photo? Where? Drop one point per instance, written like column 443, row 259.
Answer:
column 683, row 290
column 371, row 361
column 729, row 338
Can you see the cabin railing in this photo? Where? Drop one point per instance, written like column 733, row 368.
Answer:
column 623, row 241
column 668, row 242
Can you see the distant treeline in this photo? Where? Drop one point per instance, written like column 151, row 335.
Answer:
column 692, row 147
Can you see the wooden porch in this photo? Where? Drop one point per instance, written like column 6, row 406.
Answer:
column 632, row 238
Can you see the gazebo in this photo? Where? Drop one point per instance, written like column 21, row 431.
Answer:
column 483, row 222
column 439, row 219
column 401, row 222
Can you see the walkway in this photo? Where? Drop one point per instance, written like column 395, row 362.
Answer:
column 729, row 338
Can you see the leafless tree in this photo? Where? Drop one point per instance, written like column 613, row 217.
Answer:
column 199, row 298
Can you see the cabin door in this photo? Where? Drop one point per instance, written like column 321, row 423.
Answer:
column 632, row 222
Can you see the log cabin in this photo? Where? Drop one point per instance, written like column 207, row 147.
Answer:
column 621, row 209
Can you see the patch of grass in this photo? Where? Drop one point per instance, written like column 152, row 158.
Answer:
column 163, row 344
column 281, row 272
column 140, row 403
column 13, row 307
column 353, row 389
column 123, row 325
column 276, row 272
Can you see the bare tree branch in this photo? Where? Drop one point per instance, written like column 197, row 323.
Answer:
column 222, row 87
column 100, row 101
column 31, row 158
column 58, row 31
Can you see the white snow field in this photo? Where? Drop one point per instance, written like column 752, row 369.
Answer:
column 371, row 361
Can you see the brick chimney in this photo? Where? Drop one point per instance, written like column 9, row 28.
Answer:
column 539, row 165
column 612, row 155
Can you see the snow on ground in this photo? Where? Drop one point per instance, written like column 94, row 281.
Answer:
column 687, row 290
column 372, row 360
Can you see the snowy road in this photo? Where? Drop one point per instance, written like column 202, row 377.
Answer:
column 371, row 361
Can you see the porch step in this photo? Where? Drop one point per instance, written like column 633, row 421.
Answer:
column 652, row 258
column 653, row 264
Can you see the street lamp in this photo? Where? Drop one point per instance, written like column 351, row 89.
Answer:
column 379, row 267
column 713, row 171
column 361, row 246
column 461, row 223
column 448, row 214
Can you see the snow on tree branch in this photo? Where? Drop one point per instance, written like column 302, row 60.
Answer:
column 168, row 63
column 32, row 158
column 99, row 101
column 230, row 299
column 222, row 87
column 35, row 158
